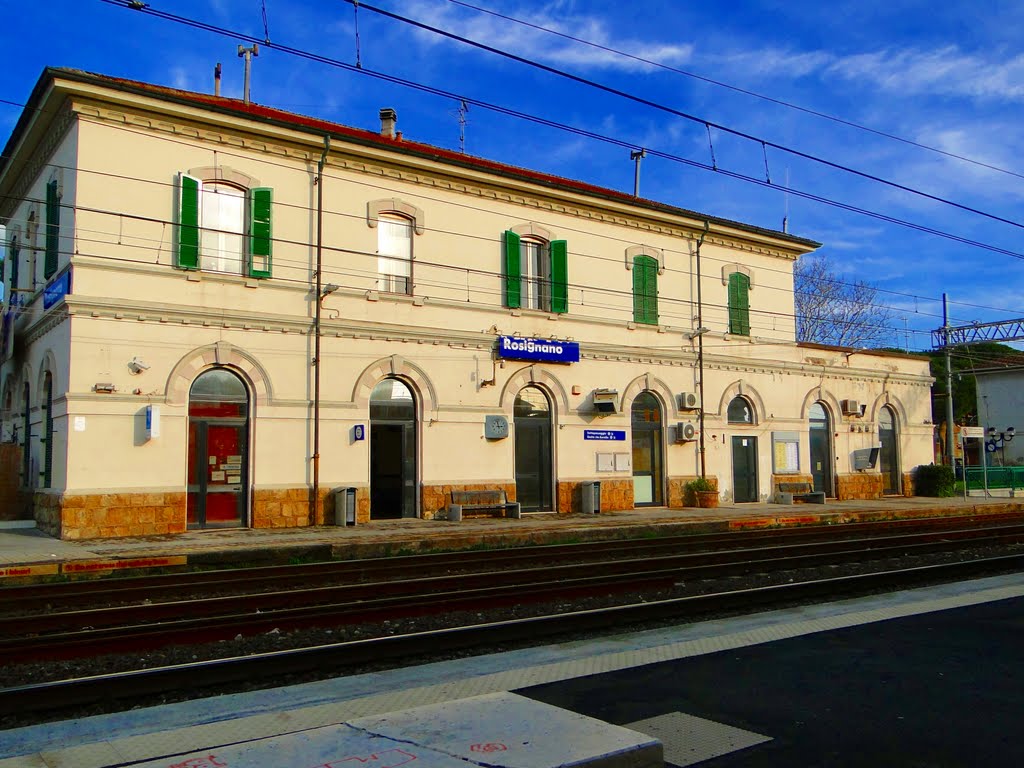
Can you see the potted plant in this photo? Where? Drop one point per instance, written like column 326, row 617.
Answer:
column 705, row 492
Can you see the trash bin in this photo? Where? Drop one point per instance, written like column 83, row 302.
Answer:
column 344, row 506
column 591, row 495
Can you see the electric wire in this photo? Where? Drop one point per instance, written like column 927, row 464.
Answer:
column 738, row 89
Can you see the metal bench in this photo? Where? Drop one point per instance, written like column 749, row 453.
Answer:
column 464, row 501
column 791, row 493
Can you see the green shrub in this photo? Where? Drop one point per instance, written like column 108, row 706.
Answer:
column 701, row 484
column 934, row 480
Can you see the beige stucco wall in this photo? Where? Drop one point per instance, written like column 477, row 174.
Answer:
column 130, row 302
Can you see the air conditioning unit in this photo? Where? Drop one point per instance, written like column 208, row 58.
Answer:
column 606, row 401
column 686, row 431
column 689, row 401
column 850, row 407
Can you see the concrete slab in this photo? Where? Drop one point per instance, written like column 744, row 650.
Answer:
column 510, row 731
column 499, row 730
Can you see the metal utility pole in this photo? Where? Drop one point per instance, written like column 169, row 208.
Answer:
column 950, row 448
column 318, row 297
column 636, row 156
column 701, row 330
column 247, row 54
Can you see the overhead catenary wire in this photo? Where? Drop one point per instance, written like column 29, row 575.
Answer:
column 738, row 89
column 214, row 29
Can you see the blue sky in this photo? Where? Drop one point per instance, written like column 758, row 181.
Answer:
column 946, row 75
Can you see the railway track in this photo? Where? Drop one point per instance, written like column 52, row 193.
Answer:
column 141, row 684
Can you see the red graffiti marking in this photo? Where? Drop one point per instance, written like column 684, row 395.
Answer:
column 389, row 758
column 489, row 747
column 210, row 761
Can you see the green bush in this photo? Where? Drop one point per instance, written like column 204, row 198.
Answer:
column 701, row 484
column 934, row 480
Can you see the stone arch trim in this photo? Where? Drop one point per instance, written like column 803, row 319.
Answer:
column 649, row 383
column 645, row 250
column 823, row 395
column 742, row 389
column 225, row 354
column 48, row 364
column 530, row 229
column 728, row 269
column 224, row 173
column 534, row 375
column 397, row 367
column 887, row 398
column 375, row 208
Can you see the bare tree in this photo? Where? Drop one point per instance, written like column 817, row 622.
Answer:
column 831, row 310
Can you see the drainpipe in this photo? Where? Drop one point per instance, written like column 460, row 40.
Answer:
column 319, row 181
column 701, row 330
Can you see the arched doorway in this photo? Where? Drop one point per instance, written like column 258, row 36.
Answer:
column 889, row 454
column 532, row 417
column 218, row 450
column 821, row 449
column 744, row 450
column 647, row 462
column 392, row 450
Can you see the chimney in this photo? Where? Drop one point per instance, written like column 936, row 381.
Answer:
column 388, row 119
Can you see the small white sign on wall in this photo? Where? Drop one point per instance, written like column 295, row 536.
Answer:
column 79, row 424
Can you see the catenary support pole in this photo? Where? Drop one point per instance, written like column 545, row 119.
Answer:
column 700, row 356
column 951, row 447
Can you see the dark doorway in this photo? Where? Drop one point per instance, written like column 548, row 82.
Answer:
column 821, row 449
column 888, row 456
column 744, row 469
column 218, row 451
column 392, row 451
column 532, row 413
column 647, row 473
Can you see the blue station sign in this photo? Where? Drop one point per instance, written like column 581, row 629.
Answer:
column 57, row 290
column 604, row 434
column 542, row 350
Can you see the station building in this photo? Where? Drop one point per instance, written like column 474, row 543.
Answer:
column 173, row 359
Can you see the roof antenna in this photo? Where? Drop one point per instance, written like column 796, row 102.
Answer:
column 463, row 109
column 216, row 80
column 785, row 210
column 247, row 54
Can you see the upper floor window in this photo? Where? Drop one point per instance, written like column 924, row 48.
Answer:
column 53, row 197
column 223, row 228
column 536, row 273
column 739, row 304
column 645, row 289
column 394, row 254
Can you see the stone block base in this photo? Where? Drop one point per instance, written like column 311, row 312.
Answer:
column 859, row 485
column 908, row 484
column 615, row 494
column 678, row 495
column 109, row 515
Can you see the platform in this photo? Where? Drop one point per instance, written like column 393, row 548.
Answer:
column 27, row 553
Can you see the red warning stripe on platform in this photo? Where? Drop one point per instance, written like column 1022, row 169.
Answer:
column 47, row 569
column 92, row 566
column 763, row 522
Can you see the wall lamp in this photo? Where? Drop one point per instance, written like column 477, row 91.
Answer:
column 699, row 332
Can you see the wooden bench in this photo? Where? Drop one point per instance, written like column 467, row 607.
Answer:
column 463, row 501
column 791, row 493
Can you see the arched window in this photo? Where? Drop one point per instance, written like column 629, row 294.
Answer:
column 224, row 227
column 740, row 411
column 534, row 469
column 26, row 440
column 394, row 253
column 645, row 290
column 536, row 273
column 48, row 430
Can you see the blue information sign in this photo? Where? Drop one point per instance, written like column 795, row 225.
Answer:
column 57, row 290
column 544, row 350
column 604, row 434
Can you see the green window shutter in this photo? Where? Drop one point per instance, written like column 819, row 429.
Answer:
column 559, row 276
column 739, row 304
column 261, row 240
column 645, row 290
column 15, row 258
column 513, row 273
column 52, row 229
column 187, row 255
column 48, row 446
